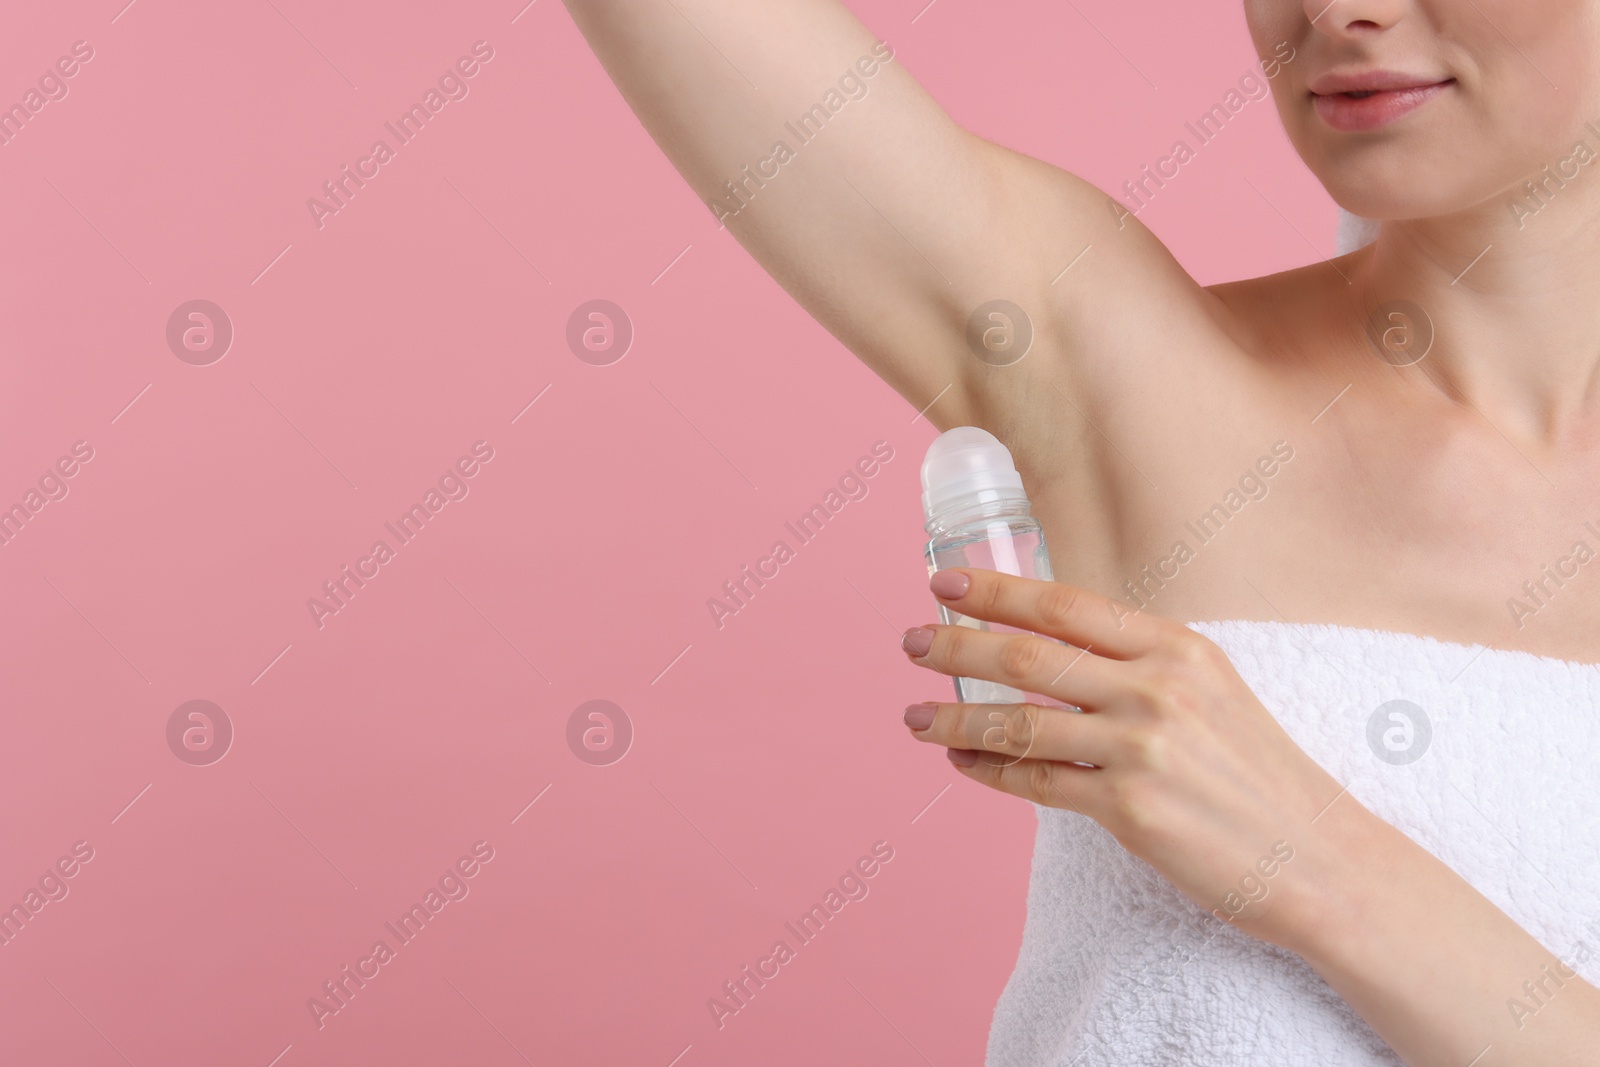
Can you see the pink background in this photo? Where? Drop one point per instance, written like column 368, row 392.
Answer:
column 368, row 355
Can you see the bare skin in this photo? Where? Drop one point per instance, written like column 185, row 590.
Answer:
column 1418, row 499
column 1426, row 495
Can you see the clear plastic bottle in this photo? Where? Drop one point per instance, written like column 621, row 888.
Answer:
column 978, row 515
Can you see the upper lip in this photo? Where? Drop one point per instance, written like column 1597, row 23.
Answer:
column 1368, row 80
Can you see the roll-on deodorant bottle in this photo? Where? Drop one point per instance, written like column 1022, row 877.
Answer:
column 978, row 516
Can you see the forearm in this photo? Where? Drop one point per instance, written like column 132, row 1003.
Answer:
column 1439, row 972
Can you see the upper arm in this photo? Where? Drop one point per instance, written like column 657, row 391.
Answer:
column 1117, row 323
column 885, row 219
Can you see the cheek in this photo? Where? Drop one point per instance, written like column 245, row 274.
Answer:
column 1563, row 50
column 1513, row 100
column 1518, row 52
column 1272, row 21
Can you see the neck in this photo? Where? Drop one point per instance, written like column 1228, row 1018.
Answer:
column 1511, row 291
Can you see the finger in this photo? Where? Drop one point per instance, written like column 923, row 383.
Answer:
column 1085, row 619
column 1023, row 661
column 1006, row 733
column 1055, row 785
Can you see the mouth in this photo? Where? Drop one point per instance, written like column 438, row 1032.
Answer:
column 1367, row 102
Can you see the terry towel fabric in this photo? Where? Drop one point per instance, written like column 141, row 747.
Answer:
column 1352, row 232
column 1119, row 968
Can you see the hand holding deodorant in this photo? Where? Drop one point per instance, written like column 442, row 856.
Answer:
column 978, row 515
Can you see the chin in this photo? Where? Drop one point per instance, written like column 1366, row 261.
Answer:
column 1397, row 183
column 1372, row 200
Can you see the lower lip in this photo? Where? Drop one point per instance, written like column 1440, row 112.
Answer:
column 1369, row 112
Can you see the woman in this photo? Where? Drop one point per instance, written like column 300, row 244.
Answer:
column 1379, row 472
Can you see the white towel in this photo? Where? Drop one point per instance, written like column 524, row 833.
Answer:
column 1118, row 968
column 1353, row 231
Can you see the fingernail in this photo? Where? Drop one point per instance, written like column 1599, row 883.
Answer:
column 949, row 584
column 961, row 757
column 917, row 640
column 920, row 716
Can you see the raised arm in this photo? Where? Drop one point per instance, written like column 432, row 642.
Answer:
column 890, row 224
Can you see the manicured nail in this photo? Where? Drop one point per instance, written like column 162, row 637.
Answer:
column 917, row 641
column 961, row 757
column 949, row 584
column 920, row 716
